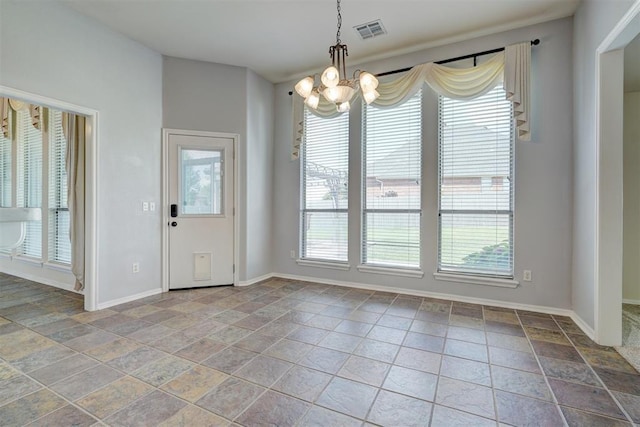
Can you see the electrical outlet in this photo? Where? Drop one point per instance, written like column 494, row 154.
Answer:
column 152, row 206
column 292, row 254
column 136, row 267
column 526, row 275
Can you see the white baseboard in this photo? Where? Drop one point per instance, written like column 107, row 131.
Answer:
column 588, row 330
column 631, row 301
column 43, row 280
column 130, row 298
column 255, row 280
column 451, row 297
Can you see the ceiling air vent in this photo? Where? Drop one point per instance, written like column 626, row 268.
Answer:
column 370, row 29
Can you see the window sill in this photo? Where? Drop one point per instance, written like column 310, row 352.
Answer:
column 6, row 255
column 58, row 267
column 477, row 280
column 324, row 264
column 391, row 271
column 28, row 260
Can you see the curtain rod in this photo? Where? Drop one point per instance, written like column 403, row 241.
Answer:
column 457, row 58
column 535, row 42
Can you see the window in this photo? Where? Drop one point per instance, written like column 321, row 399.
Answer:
column 59, row 244
column 5, row 169
column 391, row 179
column 30, row 180
column 476, row 185
column 325, row 172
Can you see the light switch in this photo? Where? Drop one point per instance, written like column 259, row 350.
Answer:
column 145, row 206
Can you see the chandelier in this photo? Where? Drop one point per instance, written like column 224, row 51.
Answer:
column 334, row 85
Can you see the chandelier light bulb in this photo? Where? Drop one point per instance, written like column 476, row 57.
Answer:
column 343, row 107
column 368, row 82
column 313, row 100
column 370, row 96
column 331, row 93
column 304, row 87
column 330, row 77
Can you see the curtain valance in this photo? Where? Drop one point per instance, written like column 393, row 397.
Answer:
column 512, row 67
column 15, row 105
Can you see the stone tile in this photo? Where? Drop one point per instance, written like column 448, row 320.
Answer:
column 229, row 316
column 430, row 328
column 538, row 321
column 630, row 403
column 577, row 418
column 230, row 334
column 364, row 316
column 467, row 310
column 424, row 342
column 161, row 316
column 21, row 343
column 40, row 359
column 466, row 322
column 161, row 371
column 193, row 416
column 30, row 408
column 230, row 359
column 85, row 382
column 443, row 416
column 514, row 359
column 432, row 316
column 584, row 397
column 540, row 334
column 141, row 311
column 397, row 322
column 619, row 381
column 568, row 325
column 569, row 371
column 411, row 382
column 466, row 334
column 324, row 359
column 200, row 350
column 417, row 359
column 608, row 360
column 557, row 351
column 91, row 340
column 278, row 328
column 493, row 314
column 466, row 370
column 340, row 342
column 252, row 322
column 150, row 334
column 91, row 316
column 389, row 335
column 114, row 397
column 509, row 342
column 15, row 387
column 288, row 350
column 173, row 343
column 62, row 369
column 111, row 321
column 6, row 371
column 351, row 327
column 274, row 409
column 519, row 382
column 523, row 411
column 364, row 370
column 136, row 359
column 466, row 350
column 395, row 409
column 321, row 417
column 10, row 327
column 230, row 398
column 67, row 415
column 263, row 370
column 149, row 410
column 257, row 342
column 348, row 397
column 323, row 322
column 308, row 334
column 504, row 328
column 581, row 340
column 195, row 383
column 466, row 397
column 303, row 383
column 377, row 350
column 53, row 327
column 203, row 328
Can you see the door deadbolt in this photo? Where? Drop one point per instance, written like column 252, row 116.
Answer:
column 174, row 224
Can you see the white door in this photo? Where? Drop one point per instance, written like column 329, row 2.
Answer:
column 201, row 211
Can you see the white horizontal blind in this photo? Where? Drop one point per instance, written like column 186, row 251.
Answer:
column 325, row 173
column 476, row 185
column 30, row 180
column 5, row 169
column 392, row 169
column 58, row 238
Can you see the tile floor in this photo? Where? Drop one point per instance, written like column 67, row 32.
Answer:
column 286, row 353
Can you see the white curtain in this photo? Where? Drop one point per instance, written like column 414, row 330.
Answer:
column 4, row 117
column 512, row 67
column 73, row 127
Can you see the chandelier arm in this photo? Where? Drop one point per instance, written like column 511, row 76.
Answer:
column 339, row 23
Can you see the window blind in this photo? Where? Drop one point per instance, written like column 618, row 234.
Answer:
column 476, row 185
column 5, row 169
column 325, row 173
column 392, row 169
column 58, row 235
column 30, row 180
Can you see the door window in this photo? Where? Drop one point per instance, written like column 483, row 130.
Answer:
column 202, row 173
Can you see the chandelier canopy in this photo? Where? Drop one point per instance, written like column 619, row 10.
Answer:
column 334, row 85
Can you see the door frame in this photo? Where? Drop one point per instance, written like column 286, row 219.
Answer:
column 166, row 133
column 608, row 192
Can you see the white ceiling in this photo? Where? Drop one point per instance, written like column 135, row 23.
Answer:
column 281, row 40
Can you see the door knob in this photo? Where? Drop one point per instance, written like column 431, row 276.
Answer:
column 174, row 224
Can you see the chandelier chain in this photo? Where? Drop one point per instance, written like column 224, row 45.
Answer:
column 339, row 24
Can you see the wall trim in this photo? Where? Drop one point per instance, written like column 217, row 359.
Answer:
column 44, row 280
column 631, row 301
column 129, row 298
column 429, row 294
column 255, row 280
column 588, row 330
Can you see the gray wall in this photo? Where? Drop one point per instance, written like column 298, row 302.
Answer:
column 49, row 50
column 222, row 98
column 631, row 213
column 543, row 209
column 593, row 20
